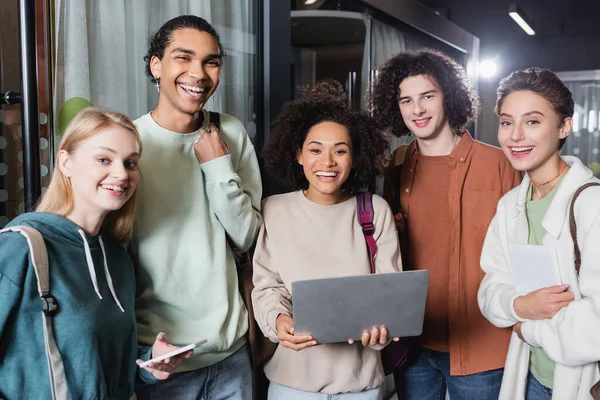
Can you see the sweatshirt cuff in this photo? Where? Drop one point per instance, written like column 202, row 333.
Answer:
column 531, row 332
column 513, row 313
column 272, row 321
column 144, row 354
column 218, row 170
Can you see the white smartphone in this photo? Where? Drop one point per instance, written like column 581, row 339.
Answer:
column 172, row 353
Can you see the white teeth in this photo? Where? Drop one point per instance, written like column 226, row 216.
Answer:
column 521, row 149
column 327, row 174
column 114, row 188
column 191, row 88
column 421, row 121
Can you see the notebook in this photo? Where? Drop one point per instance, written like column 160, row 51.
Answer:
column 533, row 267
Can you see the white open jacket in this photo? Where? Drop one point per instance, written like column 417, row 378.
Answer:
column 572, row 337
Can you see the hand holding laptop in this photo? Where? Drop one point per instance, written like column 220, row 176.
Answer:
column 335, row 310
column 285, row 333
column 377, row 336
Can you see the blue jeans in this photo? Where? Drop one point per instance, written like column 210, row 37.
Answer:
column 537, row 391
column 279, row 392
column 229, row 379
column 428, row 376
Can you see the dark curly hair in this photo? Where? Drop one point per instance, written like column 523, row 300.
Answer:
column 325, row 101
column 546, row 84
column 461, row 102
column 161, row 39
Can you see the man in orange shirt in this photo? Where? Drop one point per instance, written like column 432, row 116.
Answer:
column 444, row 187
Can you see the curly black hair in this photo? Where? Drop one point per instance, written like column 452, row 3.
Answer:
column 546, row 84
column 461, row 102
column 325, row 101
column 161, row 39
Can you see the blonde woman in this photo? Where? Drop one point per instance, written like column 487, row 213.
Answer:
column 85, row 217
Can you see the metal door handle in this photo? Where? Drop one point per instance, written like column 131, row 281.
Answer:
column 10, row 98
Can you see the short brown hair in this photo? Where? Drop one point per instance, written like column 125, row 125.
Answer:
column 544, row 83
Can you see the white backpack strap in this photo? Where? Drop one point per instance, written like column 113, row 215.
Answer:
column 39, row 260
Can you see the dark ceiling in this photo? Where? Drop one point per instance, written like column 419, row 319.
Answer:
column 567, row 31
column 552, row 18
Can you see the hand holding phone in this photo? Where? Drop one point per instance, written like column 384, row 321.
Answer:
column 166, row 357
column 172, row 353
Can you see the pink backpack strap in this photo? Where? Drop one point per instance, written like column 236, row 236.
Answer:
column 365, row 215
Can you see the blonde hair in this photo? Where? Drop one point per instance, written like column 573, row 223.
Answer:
column 58, row 199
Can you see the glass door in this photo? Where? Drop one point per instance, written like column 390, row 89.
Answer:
column 11, row 154
column 21, row 152
column 584, row 140
column 329, row 44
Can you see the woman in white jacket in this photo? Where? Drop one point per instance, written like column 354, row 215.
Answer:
column 555, row 345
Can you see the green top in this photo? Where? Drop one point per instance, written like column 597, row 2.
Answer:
column 187, row 282
column 540, row 365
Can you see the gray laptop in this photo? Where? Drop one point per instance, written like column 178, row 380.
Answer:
column 337, row 309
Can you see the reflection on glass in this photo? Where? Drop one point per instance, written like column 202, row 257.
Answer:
column 584, row 142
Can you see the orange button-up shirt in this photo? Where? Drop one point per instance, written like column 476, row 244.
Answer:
column 480, row 176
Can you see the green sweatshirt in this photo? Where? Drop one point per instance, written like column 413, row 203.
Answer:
column 94, row 328
column 187, row 280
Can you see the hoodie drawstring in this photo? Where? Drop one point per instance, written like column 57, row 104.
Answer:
column 108, row 277
column 90, row 262
column 92, row 269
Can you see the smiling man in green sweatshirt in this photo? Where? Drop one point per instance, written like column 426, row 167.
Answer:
column 201, row 184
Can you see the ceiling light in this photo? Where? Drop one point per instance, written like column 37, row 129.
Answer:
column 308, row 2
column 520, row 18
column 488, row 68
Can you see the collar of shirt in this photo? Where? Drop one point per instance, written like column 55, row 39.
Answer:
column 458, row 154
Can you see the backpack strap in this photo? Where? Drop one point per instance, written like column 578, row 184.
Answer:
column 261, row 348
column 214, row 118
column 399, row 156
column 39, row 260
column 365, row 215
column 573, row 228
column 573, row 225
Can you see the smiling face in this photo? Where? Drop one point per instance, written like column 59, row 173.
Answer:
column 326, row 158
column 188, row 72
column 103, row 171
column 530, row 132
column 421, row 103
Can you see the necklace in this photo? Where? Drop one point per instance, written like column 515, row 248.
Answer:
column 553, row 179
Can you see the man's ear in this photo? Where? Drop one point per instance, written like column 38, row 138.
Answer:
column 299, row 157
column 65, row 163
column 566, row 128
column 155, row 65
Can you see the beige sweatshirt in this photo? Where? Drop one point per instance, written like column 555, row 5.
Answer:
column 299, row 240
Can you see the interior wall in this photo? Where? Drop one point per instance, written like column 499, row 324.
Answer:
column 336, row 61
